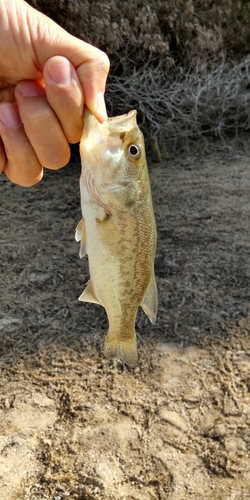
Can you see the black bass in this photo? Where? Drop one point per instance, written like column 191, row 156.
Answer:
column 117, row 230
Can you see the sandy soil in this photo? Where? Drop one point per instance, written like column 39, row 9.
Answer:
column 75, row 425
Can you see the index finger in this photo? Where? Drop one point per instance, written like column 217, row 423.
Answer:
column 91, row 74
column 91, row 64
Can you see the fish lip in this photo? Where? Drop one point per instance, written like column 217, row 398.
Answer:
column 123, row 118
column 128, row 120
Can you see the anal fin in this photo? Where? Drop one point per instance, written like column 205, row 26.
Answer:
column 88, row 295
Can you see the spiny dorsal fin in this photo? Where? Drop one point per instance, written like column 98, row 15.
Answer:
column 150, row 300
column 88, row 295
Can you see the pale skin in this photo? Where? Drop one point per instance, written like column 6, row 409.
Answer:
column 46, row 78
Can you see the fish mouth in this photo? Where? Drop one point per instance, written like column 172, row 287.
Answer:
column 112, row 124
column 125, row 119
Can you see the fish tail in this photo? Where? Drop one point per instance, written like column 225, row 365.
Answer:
column 123, row 349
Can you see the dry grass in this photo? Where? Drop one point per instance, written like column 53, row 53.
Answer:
column 188, row 31
column 212, row 100
column 161, row 55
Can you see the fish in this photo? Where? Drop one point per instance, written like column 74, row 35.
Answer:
column 117, row 230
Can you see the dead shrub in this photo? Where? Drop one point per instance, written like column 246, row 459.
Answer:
column 184, row 107
column 161, row 55
column 135, row 31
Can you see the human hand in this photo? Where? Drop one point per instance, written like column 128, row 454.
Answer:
column 46, row 77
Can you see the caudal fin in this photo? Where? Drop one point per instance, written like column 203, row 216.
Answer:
column 123, row 349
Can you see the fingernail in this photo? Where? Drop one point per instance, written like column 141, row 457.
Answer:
column 30, row 88
column 101, row 106
column 59, row 70
column 9, row 116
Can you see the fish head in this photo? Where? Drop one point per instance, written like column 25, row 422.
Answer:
column 113, row 159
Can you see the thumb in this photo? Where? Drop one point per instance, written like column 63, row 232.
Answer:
column 91, row 64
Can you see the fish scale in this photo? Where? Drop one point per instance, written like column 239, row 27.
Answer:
column 117, row 230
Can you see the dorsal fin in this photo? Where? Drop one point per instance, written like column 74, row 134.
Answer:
column 150, row 300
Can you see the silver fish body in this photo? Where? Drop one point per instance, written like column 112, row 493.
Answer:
column 117, row 230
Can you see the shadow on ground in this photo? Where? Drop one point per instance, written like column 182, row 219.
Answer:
column 75, row 425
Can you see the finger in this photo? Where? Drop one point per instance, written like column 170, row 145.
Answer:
column 2, row 156
column 90, row 75
column 64, row 94
column 41, row 125
column 21, row 163
column 91, row 64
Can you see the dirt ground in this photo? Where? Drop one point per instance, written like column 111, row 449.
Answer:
column 74, row 425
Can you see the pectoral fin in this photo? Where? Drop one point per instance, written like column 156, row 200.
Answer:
column 88, row 295
column 120, row 198
column 150, row 301
column 80, row 235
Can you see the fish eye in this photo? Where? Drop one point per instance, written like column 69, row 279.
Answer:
column 134, row 151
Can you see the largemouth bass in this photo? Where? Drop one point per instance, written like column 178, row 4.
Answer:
column 117, row 230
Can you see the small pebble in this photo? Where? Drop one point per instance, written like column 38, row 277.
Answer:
column 59, row 487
